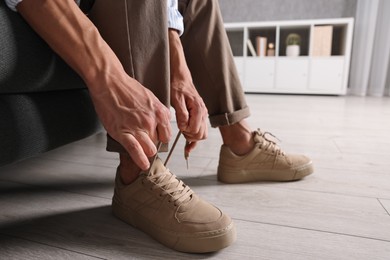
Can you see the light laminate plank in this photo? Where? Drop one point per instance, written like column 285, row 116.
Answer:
column 89, row 151
column 364, row 163
column 12, row 248
column 365, row 145
column 352, row 182
column 19, row 203
column 64, row 176
column 95, row 231
column 355, row 216
column 386, row 205
column 71, row 222
column 262, row 241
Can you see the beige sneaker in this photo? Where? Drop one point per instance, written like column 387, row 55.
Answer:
column 266, row 162
column 170, row 212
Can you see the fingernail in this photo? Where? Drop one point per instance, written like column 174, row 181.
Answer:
column 146, row 166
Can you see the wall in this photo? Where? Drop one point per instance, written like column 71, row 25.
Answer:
column 277, row 10
column 387, row 93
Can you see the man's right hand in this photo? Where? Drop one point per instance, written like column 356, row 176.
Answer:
column 132, row 115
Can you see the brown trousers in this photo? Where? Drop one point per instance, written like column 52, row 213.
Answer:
column 137, row 32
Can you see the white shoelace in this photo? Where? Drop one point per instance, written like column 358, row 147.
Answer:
column 167, row 182
column 170, row 185
column 268, row 144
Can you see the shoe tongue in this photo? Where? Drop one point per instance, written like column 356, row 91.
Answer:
column 156, row 167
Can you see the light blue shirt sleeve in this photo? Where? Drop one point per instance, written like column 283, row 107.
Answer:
column 12, row 4
column 175, row 19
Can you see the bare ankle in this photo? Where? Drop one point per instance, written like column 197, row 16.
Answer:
column 241, row 146
column 238, row 137
column 128, row 170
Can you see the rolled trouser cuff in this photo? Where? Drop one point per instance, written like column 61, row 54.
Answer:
column 229, row 118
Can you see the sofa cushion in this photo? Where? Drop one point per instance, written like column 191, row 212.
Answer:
column 27, row 64
column 38, row 122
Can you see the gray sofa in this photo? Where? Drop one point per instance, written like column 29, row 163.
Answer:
column 43, row 103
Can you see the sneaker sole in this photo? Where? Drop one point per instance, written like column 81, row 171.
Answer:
column 201, row 242
column 242, row 176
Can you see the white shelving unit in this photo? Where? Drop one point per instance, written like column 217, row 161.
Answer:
column 305, row 74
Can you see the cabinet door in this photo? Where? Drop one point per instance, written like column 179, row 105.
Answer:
column 259, row 74
column 327, row 73
column 291, row 73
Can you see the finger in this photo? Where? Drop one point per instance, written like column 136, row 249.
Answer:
column 182, row 115
column 195, row 119
column 203, row 132
column 201, row 135
column 135, row 151
column 164, row 133
column 205, row 126
column 190, row 146
column 146, row 143
column 164, row 130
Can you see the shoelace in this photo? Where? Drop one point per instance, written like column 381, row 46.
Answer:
column 167, row 182
column 269, row 144
column 170, row 185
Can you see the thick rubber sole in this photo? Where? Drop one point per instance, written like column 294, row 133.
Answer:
column 200, row 242
column 229, row 175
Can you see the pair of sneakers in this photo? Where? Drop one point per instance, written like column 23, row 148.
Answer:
column 169, row 211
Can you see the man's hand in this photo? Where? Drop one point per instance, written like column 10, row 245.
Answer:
column 130, row 113
column 191, row 112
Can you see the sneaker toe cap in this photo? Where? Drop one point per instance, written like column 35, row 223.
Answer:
column 200, row 212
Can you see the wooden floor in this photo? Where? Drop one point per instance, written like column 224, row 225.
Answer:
column 57, row 206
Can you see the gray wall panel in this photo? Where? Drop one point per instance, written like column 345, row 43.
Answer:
column 278, row 10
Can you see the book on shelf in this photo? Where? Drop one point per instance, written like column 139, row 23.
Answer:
column 251, row 47
column 261, row 46
column 322, row 40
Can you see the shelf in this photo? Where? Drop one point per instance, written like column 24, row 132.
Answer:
column 338, row 40
column 322, row 66
column 303, row 31
column 236, row 37
column 269, row 33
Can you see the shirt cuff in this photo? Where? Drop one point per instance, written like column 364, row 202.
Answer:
column 175, row 20
column 12, row 4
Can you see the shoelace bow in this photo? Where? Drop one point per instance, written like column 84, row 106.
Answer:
column 167, row 182
column 268, row 144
